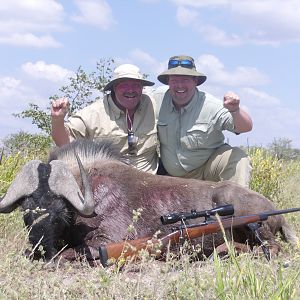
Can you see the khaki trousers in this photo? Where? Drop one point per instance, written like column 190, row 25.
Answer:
column 226, row 163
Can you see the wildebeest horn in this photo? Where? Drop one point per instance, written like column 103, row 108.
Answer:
column 25, row 183
column 62, row 182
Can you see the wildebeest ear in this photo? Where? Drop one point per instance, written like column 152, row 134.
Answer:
column 25, row 183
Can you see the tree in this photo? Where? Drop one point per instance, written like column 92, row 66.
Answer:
column 282, row 149
column 81, row 90
column 26, row 144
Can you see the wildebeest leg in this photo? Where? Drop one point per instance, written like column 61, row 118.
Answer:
column 262, row 244
column 81, row 253
column 273, row 248
column 222, row 250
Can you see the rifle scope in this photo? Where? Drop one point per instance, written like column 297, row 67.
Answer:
column 224, row 210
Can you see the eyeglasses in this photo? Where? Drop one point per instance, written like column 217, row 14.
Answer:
column 185, row 63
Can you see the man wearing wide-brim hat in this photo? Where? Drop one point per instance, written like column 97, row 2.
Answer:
column 124, row 114
column 190, row 126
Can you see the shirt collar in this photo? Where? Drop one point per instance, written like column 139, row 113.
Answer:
column 190, row 106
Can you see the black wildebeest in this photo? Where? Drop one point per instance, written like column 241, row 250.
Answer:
column 58, row 214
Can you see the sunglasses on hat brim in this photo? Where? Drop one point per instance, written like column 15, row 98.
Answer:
column 185, row 63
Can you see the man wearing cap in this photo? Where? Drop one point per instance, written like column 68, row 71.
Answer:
column 125, row 115
column 190, row 125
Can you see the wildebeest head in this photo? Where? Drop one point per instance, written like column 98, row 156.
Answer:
column 48, row 194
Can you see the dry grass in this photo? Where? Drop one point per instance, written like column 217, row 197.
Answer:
column 242, row 277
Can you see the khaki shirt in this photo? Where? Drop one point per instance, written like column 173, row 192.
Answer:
column 189, row 136
column 103, row 119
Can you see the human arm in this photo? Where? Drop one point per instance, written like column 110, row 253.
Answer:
column 241, row 119
column 59, row 109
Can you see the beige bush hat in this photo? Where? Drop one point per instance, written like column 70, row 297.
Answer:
column 127, row 71
column 181, row 65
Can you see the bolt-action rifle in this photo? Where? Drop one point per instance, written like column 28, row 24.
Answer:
column 189, row 231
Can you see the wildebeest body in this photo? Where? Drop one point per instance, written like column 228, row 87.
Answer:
column 119, row 189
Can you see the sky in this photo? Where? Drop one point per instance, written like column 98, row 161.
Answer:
column 249, row 47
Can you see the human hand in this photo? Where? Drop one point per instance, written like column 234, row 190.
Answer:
column 231, row 101
column 60, row 107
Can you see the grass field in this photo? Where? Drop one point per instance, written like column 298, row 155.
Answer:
column 241, row 277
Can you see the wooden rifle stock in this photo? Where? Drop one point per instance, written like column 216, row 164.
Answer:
column 132, row 247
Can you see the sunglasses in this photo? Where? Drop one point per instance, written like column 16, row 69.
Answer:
column 185, row 63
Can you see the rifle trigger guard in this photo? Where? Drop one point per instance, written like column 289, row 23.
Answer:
column 181, row 237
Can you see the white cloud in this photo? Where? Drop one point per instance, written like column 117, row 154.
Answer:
column 218, row 75
column 23, row 15
column 41, row 70
column 145, row 61
column 186, row 16
column 94, row 12
column 271, row 119
column 15, row 97
column 259, row 99
column 30, row 40
column 8, row 85
column 240, row 76
column 270, row 20
column 150, row 1
column 200, row 3
column 15, row 94
column 254, row 21
column 218, row 36
column 141, row 57
column 29, row 23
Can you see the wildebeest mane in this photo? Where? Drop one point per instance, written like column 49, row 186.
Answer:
column 89, row 152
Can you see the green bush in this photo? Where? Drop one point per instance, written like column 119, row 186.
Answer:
column 268, row 174
column 9, row 167
column 28, row 144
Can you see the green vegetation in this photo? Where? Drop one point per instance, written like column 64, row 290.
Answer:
column 268, row 174
column 27, row 144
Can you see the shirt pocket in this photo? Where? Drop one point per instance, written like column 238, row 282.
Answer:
column 196, row 137
column 162, row 129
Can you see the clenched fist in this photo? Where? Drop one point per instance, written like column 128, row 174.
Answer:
column 60, row 108
column 231, row 102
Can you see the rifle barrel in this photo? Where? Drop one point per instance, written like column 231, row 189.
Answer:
column 282, row 211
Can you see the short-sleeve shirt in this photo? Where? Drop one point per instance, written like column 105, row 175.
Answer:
column 103, row 119
column 190, row 135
